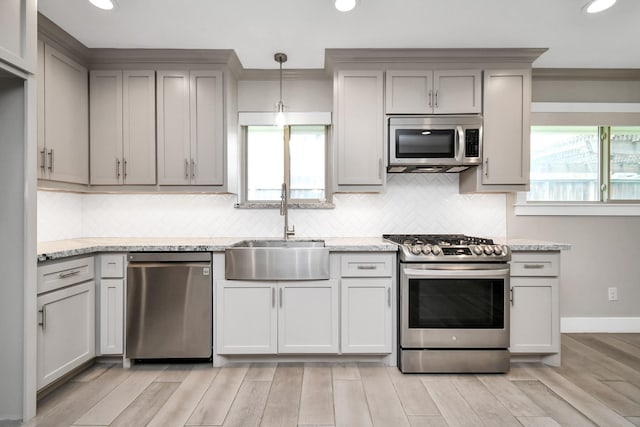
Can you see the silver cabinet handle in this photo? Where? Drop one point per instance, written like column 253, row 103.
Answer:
column 124, row 167
column 436, row 99
column 193, row 168
column 280, row 290
column 533, row 266
column 42, row 159
column 117, row 168
column 186, row 168
column 512, row 299
column 380, row 168
column 69, row 274
column 430, row 104
column 50, row 155
column 367, row 267
column 389, row 296
column 43, row 317
column 486, row 167
column 273, row 297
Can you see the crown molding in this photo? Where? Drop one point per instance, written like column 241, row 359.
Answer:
column 52, row 34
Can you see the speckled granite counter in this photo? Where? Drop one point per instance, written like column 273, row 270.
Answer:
column 72, row 247
column 533, row 245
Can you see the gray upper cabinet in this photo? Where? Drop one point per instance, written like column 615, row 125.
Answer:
column 506, row 129
column 433, row 91
column 63, row 137
column 359, row 130
column 122, row 127
column 18, row 34
column 190, row 124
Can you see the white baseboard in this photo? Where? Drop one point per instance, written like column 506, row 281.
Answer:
column 600, row 324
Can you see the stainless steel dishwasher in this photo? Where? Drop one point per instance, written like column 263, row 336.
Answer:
column 169, row 305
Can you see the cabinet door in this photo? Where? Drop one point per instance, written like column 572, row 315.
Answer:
column 308, row 317
column 18, row 33
column 174, row 157
column 139, row 127
column 409, row 92
column 457, row 91
column 207, row 141
column 246, row 317
column 66, row 118
column 534, row 321
column 66, row 336
column 111, row 316
column 105, row 130
column 506, row 128
column 360, row 128
column 366, row 315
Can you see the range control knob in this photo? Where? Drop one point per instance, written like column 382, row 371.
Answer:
column 487, row 249
column 426, row 249
column 416, row 249
column 435, row 249
column 476, row 250
column 497, row 249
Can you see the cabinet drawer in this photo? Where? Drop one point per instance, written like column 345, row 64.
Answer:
column 373, row 265
column 112, row 266
column 60, row 274
column 535, row 264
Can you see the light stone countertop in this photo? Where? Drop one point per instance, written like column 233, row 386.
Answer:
column 72, row 247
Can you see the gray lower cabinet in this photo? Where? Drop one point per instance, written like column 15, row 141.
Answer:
column 359, row 130
column 66, row 318
column 535, row 312
column 190, row 127
column 110, row 304
column 256, row 317
column 63, row 119
column 122, row 127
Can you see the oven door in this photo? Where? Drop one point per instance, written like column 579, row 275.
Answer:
column 425, row 144
column 454, row 306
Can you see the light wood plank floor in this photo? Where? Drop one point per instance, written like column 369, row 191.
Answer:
column 597, row 384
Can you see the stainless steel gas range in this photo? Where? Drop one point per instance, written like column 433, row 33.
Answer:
column 454, row 303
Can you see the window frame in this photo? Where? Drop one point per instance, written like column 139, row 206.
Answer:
column 579, row 114
column 247, row 120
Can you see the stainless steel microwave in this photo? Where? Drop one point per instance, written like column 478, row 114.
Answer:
column 434, row 143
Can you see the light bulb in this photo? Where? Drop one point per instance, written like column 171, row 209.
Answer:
column 596, row 6
column 102, row 4
column 280, row 117
column 345, row 5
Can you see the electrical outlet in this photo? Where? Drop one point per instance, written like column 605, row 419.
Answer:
column 613, row 294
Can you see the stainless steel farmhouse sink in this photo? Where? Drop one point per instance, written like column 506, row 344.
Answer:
column 277, row 260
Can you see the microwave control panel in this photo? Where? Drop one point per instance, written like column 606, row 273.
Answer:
column 472, row 143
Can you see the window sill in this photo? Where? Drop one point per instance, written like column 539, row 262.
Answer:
column 291, row 205
column 587, row 209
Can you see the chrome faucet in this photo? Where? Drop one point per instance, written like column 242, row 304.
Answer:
column 284, row 210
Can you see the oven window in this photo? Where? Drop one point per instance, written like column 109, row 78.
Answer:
column 422, row 143
column 456, row 303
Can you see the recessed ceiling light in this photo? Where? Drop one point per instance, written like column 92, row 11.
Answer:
column 103, row 4
column 595, row 6
column 345, row 5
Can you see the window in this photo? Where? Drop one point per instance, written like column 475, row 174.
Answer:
column 597, row 164
column 294, row 154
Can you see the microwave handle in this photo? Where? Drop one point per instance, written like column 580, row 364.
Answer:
column 459, row 137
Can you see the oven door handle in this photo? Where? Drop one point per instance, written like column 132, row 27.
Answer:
column 438, row 272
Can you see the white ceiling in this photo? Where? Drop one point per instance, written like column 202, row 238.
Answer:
column 256, row 29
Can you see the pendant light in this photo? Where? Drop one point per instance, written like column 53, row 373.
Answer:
column 595, row 6
column 280, row 117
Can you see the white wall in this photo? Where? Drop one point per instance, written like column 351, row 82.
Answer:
column 412, row 203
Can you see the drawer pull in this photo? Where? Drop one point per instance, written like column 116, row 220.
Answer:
column 389, row 296
column 534, row 266
column 512, row 296
column 367, row 267
column 69, row 274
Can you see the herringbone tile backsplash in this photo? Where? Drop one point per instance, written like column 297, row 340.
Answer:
column 411, row 203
